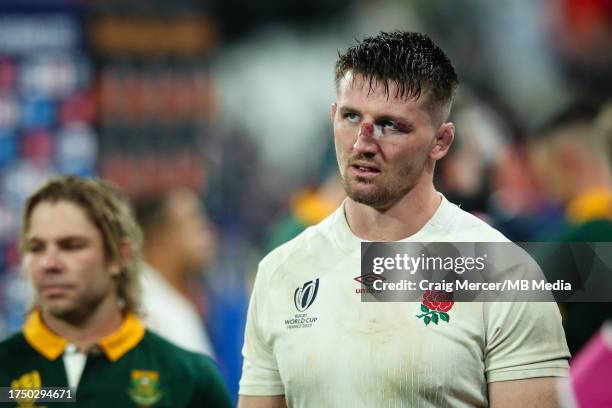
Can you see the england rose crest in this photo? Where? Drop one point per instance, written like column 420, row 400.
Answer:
column 435, row 306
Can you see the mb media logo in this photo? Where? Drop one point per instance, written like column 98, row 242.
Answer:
column 305, row 296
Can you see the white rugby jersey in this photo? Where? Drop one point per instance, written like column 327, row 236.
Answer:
column 332, row 350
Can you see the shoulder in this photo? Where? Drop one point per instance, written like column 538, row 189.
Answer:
column 594, row 230
column 177, row 358
column 189, row 367
column 15, row 353
column 313, row 242
column 12, row 345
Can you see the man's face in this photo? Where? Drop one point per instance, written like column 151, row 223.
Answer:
column 196, row 245
column 383, row 143
column 64, row 255
column 557, row 159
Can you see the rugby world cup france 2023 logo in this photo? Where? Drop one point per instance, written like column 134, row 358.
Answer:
column 304, row 296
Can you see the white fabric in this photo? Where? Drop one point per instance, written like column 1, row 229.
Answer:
column 74, row 363
column 381, row 354
column 170, row 315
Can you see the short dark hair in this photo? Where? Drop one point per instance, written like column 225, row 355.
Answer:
column 150, row 212
column 410, row 60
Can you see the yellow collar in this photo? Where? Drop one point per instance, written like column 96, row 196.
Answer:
column 51, row 346
column 41, row 338
column 590, row 205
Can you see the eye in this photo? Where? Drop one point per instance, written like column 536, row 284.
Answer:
column 390, row 126
column 35, row 248
column 73, row 244
column 352, row 117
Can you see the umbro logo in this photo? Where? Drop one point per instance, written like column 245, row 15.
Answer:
column 368, row 282
column 369, row 279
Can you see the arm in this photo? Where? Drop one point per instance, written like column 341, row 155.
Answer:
column 528, row 393
column 272, row 401
column 261, row 385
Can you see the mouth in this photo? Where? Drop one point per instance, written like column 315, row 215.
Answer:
column 364, row 170
column 54, row 290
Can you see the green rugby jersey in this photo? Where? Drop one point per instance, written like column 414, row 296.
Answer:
column 132, row 367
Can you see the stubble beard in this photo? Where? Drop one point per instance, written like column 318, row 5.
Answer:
column 382, row 194
column 77, row 311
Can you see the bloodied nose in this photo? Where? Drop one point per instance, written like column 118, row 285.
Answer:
column 366, row 137
column 366, row 129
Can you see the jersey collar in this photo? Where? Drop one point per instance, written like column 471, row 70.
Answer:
column 349, row 242
column 114, row 346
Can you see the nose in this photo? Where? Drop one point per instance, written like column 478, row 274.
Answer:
column 366, row 140
column 366, row 129
column 50, row 259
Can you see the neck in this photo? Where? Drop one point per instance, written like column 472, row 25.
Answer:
column 86, row 331
column 401, row 220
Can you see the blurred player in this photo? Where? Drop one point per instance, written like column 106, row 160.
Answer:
column 178, row 245
column 591, row 369
column 81, row 250
column 393, row 97
column 571, row 160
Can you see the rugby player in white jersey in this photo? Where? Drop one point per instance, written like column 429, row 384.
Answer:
column 311, row 342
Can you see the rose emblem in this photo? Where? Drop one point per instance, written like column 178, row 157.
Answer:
column 435, row 305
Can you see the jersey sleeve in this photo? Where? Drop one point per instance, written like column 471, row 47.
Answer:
column 260, row 375
column 524, row 340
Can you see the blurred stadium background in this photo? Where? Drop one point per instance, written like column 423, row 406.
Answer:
column 231, row 99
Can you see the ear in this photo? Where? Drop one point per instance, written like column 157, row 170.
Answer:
column 125, row 252
column 442, row 141
column 334, row 108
